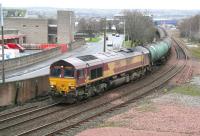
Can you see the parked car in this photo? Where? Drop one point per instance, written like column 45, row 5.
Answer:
column 15, row 46
column 117, row 35
column 113, row 34
column 109, row 43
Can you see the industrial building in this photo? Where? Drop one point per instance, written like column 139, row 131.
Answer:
column 41, row 30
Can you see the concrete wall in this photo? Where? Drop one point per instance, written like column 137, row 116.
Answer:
column 65, row 23
column 23, row 91
column 16, row 63
column 36, row 30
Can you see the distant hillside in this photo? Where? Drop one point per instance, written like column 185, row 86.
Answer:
column 14, row 12
column 109, row 13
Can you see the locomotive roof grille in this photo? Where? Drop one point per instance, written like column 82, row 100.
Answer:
column 87, row 57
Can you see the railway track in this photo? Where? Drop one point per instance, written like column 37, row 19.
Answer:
column 78, row 115
column 13, row 117
column 5, row 115
column 16, row 112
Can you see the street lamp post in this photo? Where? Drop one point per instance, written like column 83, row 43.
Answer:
column 2, row 39
column 104, row 43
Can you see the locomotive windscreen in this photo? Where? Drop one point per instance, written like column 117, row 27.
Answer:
column 63, row 72
column 55, row 72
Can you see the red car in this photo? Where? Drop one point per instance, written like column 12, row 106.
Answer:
column 15, row 46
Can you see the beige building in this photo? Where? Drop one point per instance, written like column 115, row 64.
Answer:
column 35, row 30
column 44, row 30
column 66, row 26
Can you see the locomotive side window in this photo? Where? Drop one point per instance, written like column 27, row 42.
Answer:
column 93, row 74
column 80, row 73
column 96, row 73
column 99, row 72
column 56, row 72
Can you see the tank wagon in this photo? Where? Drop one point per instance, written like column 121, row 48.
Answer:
column 80, row 77
column 160, row 50
column 162, row 33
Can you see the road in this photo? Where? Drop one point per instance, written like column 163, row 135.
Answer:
column 42, row 68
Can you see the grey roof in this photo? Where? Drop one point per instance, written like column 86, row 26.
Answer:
column 109, row 56
column 104, row 57
column 77, row 63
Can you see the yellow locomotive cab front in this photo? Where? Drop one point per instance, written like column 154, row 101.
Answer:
column 62, row 80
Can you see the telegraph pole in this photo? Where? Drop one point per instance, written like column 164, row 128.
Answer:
column 124, row 32
column 104, row 41
column 2, row 45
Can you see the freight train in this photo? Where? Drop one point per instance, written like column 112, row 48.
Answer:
column 77, row 78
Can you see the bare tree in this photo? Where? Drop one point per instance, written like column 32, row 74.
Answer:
column 82, row 25
column 101, row 24
column 190, row 27
column 90, row 26
column 139, row 27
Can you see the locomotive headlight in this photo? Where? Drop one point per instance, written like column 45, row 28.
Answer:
column 72, row 87
column 53, row 86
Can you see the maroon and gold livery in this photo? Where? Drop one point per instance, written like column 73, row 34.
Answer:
column 83, row 76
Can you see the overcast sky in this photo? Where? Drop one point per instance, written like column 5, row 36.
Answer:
column 106, row 4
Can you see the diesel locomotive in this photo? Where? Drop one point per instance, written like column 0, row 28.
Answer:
column 77, row 78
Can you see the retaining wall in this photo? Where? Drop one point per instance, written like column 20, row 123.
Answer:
column 16, row 63
column 20, row 62
column 23, row 91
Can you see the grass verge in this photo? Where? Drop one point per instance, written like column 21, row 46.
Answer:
column 95, row 39
column 196, row 52
column 127, row 44
column 191, row 90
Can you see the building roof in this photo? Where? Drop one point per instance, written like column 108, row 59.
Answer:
column 6, row 37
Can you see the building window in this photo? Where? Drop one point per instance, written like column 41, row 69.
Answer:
column 24, row 25
column 24, row 40
column 37, row 26
column 96, row 73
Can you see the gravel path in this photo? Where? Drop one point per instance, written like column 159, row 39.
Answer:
column 170, row 114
